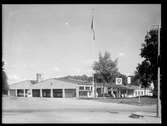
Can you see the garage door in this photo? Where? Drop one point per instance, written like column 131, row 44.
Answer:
column 57, row 93
column 70, row 93
column 20, row 92
column 35, row 92
column 12, row 92
column 46, row 93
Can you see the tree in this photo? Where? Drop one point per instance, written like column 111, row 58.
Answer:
column 105, row 68
column 5, row 86
column 147, row 70
column 143, row 74
column 135, row 79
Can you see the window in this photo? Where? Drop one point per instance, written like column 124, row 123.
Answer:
column 81, row 87
column 83, row 93
column 87, row 88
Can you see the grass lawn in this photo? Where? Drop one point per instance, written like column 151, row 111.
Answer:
column 132, row 101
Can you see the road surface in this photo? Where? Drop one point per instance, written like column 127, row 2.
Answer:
column 72, row 110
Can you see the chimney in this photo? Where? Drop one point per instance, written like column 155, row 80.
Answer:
column 38, row 77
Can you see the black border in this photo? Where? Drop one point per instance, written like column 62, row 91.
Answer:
column 163, row 7
column 83, row 2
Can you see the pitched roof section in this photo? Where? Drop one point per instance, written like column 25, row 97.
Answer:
column 21, row 85
column 45, row 84
column 62, row 83
column 53, row 84
column 79, row 82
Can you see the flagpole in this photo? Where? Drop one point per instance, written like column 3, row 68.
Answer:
column 93, row 41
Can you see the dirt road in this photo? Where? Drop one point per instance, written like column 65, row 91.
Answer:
column 60, row 110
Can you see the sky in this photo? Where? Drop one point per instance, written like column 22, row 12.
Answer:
column 56, row 40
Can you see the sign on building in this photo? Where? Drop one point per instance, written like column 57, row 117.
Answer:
column 129, row 80
column 118, row 81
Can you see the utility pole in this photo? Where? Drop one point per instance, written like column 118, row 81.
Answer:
column 159, row 100
column 158, row 75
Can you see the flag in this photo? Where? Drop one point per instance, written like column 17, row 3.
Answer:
column 92, row 28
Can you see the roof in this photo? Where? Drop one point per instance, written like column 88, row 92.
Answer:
column 53, row 83
column 21, row 85
column 45, row 84
column 118, row 86
column 79, row 82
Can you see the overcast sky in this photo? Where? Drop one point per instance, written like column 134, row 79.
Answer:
column 56, row 40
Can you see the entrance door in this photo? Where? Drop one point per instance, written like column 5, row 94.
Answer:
column 99, row 92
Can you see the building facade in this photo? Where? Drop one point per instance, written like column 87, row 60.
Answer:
column 69, row 88
column 50, row 88
column 121, row 91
